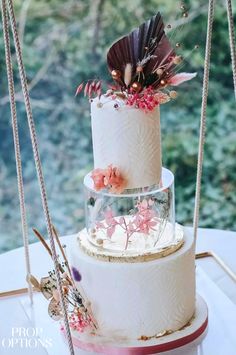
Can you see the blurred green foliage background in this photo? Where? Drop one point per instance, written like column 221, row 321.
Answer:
column 64, row 43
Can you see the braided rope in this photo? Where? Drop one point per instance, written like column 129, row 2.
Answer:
column 38, row 166
column 203, row 116
column 232, row 41
column 20, row 182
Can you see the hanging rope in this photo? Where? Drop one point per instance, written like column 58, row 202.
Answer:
column 232, row 40
column 20, row 183
column 39, row 168
column 203, row 116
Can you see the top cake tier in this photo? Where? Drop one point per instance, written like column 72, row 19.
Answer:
column 128, row 139
column 126, row 119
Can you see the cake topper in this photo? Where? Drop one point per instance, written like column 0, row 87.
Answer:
column 143, row 65
column 142, row 58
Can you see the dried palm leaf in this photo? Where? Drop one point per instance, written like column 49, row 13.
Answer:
column 146, row 46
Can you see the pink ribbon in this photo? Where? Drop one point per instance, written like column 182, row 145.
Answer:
column 141, row 350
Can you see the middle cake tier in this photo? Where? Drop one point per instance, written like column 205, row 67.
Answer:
column 133, row 223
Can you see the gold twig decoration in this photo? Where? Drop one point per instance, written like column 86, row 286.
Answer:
column 17, row 292
column 42, row 240
column 56, row 236
column 219, row 261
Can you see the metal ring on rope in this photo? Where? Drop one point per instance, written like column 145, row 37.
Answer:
column 37, row 160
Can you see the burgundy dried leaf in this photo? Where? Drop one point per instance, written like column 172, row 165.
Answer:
column 147, row 45
column 79, row 89
column 99, row 93
column 98, row 85
column 93, row 84
column 91, row 88
column 86, row 89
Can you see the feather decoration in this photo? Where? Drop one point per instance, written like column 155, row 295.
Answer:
column 147, row 45
column 181, row 78
column 128, row 74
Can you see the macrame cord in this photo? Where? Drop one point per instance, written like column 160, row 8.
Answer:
column 202, row 133
column 232, row 40
column 35, row 150
column 19, row 174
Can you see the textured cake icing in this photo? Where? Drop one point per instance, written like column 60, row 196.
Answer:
column 139, row 299
column 129, row 139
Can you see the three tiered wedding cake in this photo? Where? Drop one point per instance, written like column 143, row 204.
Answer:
column 135, row 264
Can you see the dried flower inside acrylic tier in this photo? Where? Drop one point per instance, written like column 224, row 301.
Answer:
column 125, row 226
column 79, row 312
column 144, row 67
column 144, row 220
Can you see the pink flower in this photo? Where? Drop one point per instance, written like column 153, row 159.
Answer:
column 109, row 217
column 115, row 180
column 98, row 176
column 110, row 221
column 79, row 321
column 145, row 218
column 109, row 178
column 145, row 100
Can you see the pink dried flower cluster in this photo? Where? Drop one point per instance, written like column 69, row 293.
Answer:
column 143, row 221
column 110, row 178
column 145, row 101
column 79, row 321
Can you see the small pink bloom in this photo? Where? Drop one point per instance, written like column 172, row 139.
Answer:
column 109, row 217
column 145, row 218
column 116, row 181
column 98, row 176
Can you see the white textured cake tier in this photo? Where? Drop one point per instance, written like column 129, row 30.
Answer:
column 129, row 139
column 131, row 300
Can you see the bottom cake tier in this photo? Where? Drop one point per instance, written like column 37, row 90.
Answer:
column 137, row 300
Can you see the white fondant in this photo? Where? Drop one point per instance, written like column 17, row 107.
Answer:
column 198, row 321
column 135, row 299
column 129, row 139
